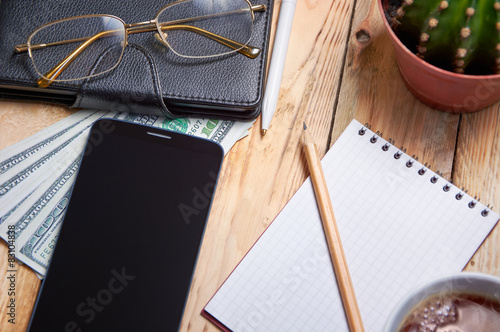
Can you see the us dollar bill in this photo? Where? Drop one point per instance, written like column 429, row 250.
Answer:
column 37, row 174
column 36, row 223
column 25, row 167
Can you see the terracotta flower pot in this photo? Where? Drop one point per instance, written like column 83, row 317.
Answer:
column 438, row 88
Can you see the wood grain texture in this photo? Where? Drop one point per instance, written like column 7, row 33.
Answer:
column 477, row 169
column 19, row 120
column 373, row 92
column 26, row 286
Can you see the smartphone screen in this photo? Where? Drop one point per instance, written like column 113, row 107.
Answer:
column 127, row 248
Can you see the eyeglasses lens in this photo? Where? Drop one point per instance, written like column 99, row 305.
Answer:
column 193, row 28
column 85, row 46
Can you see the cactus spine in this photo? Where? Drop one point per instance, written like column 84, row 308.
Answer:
column 456, row 35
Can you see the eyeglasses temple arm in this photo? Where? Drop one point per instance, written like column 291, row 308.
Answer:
column 52, row 74
column 22, row 48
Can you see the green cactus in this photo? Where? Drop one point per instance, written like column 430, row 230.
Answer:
column 457, row 35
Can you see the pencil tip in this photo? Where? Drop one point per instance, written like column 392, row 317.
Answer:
column 264, row 132
column 306, row 136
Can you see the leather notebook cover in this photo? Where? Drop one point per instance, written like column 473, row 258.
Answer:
column 150, row 78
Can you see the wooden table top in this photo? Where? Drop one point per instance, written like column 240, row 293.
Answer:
column 340, row 65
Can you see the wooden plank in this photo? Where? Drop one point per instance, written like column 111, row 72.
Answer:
column 25, row 286
column 260, row 174
column 373, row 92
column 476, row 168
column 19, row 120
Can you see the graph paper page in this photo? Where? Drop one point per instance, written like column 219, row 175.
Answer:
column 398, row 229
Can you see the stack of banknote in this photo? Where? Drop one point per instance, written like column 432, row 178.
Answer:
column 37, row 175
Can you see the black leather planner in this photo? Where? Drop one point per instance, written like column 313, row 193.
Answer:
column 150, row 78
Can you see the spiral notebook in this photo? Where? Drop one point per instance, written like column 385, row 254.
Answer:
column 401, row 225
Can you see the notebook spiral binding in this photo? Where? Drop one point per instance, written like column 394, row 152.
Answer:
column 410, row 163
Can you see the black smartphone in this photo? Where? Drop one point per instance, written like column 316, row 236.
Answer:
column 128, row 245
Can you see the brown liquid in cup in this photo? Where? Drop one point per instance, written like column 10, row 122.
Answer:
column 454, row 312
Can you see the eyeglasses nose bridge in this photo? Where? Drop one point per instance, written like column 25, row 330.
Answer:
column 141, row 27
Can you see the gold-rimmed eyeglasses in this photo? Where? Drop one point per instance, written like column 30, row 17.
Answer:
column 190, row 28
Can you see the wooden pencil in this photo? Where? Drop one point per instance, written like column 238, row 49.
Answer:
column 332, row 235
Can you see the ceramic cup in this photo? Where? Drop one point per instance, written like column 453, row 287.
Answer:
column 464, row 282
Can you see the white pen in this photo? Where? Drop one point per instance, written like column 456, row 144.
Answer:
column 278, row 56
